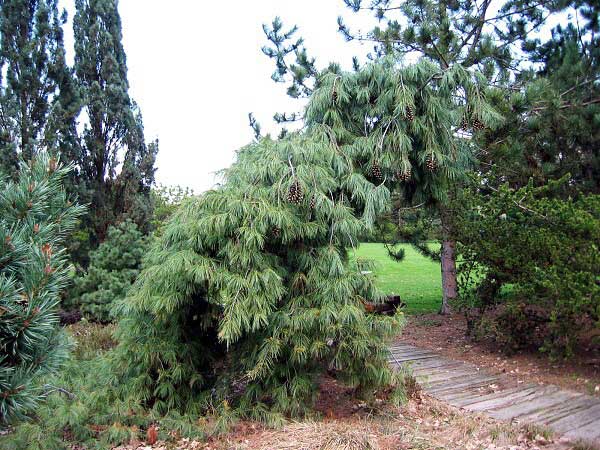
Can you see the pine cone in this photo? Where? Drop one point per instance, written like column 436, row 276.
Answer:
column 376, row 170
column 313, row 202
column 276, row 231
column 431, row 164
column 404, row 176
column 295, row 194
column 464, row 123
column 410, row 114
column 478, row 124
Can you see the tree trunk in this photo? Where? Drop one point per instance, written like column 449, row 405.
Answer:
column 448, row 262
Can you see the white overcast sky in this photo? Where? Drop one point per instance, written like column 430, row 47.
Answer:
column 196, row 69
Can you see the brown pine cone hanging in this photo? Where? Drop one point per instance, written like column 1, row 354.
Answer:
column 376, row 170
column 313, row 202
column 276, row 231
column 464, row 123
column 430, row 163
column 410, row 114
column 404, row 176
column 295, row 194
column 478, row 124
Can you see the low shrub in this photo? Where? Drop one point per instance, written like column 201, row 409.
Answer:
column 531, row 266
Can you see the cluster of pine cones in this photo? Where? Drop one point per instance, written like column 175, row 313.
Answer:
column 295, row 194
column 478, row 125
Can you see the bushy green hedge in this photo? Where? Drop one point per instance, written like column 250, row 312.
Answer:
column 531, row 265
column 113, row 268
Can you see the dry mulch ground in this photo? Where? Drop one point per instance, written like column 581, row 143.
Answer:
column 447, row 335
column 422, row 423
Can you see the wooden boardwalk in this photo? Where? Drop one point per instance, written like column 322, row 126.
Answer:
column 571, row 415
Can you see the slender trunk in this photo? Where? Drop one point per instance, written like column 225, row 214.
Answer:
column 448, row 260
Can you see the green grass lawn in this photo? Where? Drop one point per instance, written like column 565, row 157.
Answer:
column 416, row 279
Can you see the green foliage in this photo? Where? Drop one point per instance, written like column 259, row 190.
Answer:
column 553, row 119
column 249, row 297
column 166, row 200
column 35, row 220
column 249, row 292
column 113, row 137
column 113, row 268
column 538, row 262
column 32, row 85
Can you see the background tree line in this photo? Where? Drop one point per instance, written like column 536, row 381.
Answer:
column 83, row 113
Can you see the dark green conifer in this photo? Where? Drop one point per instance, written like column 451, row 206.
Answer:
column 113, row 134
column 35, row 75
column 113, row 268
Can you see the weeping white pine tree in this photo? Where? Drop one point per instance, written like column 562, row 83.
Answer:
column 251, row 293
column 410, row 128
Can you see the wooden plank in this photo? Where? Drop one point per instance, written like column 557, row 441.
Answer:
column 470, row 383
column 438, row 365
column 555, row 413
column 408, row 355
column 497, row 399
column 529, row 405
column 576, row 420
column 406, row 348
column 464, row 385
column 397, row 360
column 409, row 350
column 589, row 432
column 470, row 394
column 432, row 364
column 445, row 375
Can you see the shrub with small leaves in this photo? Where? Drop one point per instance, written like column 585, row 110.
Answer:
column 531, row 265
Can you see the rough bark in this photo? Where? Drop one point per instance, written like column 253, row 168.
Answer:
column 448, row 262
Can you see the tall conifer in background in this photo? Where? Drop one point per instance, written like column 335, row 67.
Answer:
column 38, row 100
column 116, row 163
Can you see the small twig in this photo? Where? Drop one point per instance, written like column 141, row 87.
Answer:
column 519, row 204
column 49, row 389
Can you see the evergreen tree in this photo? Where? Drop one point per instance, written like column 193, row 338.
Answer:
column 552, row 126
column 113, row 135
column 113, row 268
column 250, row 295
column 484, row 35
column 35, row 220
column 35, row 101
